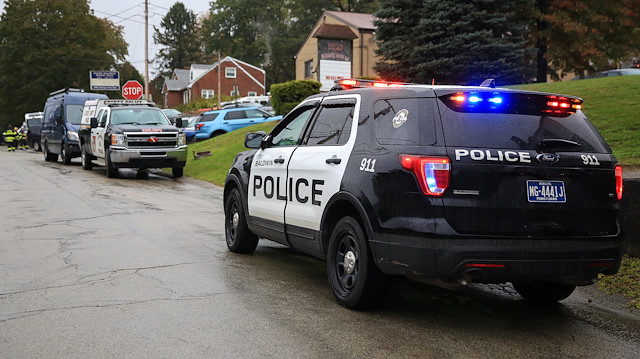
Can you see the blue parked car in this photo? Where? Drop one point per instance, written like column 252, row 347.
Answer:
column 218, row 122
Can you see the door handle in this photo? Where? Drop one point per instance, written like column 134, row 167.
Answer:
column 333, row 160
column 279, row 160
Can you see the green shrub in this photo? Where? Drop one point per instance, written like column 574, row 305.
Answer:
column 286, row 96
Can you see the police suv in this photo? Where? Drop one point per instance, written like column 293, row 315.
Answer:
column 130, row 134
column 444, row 184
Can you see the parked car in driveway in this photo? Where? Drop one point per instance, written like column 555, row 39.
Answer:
column 189, row 127
column 618, row 72
column 217, row 122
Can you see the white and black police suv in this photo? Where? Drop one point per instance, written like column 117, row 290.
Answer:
column 445, row 184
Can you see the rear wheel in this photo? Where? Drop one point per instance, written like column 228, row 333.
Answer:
column 353, row 276
column 544, row 292
column 85, row 158
column 239, row 237
column 112, row 171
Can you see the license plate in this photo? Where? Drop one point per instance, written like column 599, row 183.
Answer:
column 546, row 192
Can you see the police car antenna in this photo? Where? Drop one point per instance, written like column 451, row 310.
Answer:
column 489, row 83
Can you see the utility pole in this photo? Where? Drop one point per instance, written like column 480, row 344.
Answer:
column 219, row 69
column 146, row 50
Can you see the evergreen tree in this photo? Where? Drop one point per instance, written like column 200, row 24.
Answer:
column 454, row 42
column 46, row 45
column 180, row 38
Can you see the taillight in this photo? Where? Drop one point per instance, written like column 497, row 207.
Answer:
column 433, row 173
column 199, row 126
column 618, row 172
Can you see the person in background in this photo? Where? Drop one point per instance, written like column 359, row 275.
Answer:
column 21, row 138
column 10, row 136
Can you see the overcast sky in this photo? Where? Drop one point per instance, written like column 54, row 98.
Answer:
column 130, row 14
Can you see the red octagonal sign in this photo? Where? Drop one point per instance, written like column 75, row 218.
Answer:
column 132, row 90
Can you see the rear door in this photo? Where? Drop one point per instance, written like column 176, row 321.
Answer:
column 520, row 168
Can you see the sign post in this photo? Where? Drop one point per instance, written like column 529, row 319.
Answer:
column 132, row 90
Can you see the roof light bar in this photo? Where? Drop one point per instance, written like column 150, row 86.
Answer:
column 346, row 84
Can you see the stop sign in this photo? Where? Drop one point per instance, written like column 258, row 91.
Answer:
column 132, row 90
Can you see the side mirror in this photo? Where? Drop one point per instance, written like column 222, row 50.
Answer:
column 254, row 139
column 93, row 122
column 179, row 122
column 59, row 119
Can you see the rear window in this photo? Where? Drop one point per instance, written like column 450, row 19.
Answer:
column 521, row 128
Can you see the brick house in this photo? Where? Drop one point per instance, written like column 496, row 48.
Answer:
column 341, row 44
column 237, row 78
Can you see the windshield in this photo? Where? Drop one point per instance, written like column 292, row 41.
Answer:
column 74, row 113
column 138, row 116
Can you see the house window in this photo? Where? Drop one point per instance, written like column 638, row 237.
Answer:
column 230, row 72
column 206, row 94
column 252, row 93
column 235, row 91
column 308, row 68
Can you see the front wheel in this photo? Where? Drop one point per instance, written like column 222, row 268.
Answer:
column 177, row 171
column 36, row 146
column 544, row 292
column 85, row 158
column 112, row 171
column 354, row 278
column 239, row 237
column 64, row 154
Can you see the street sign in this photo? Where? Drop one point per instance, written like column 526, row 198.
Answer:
column 104, row 80
column 132, row 90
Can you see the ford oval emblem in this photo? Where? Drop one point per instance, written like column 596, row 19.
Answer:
column 547, row 158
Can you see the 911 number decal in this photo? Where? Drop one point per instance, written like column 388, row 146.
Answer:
column 368, row 165
column 590, row 160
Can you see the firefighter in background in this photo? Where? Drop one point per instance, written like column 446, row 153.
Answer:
column 10, row 137
column 22, row 139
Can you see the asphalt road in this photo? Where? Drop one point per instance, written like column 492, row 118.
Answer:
column 92, row 267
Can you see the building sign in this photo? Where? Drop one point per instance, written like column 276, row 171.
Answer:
column 104, row 80
column 335, row 61
column 334, row 50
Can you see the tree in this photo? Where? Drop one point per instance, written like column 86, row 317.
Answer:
column 180, row 38
column 583, row 35
column 46, row 45
column 268, row 35
column 451, row 41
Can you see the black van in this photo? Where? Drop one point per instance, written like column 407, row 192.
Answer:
column 62, row 116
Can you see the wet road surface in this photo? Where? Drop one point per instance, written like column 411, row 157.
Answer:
column 92, row 267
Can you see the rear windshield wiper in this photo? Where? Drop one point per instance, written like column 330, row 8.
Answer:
column 556, row 142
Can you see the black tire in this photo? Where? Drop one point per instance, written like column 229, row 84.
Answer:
column 177, row 172
column 544, row 292
column 36, row 146
column 48, row 156
column 355, row 280
column 112, row 171
column 216, row 133
column 85, row 158
column 239, row 237
column 64, row 154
